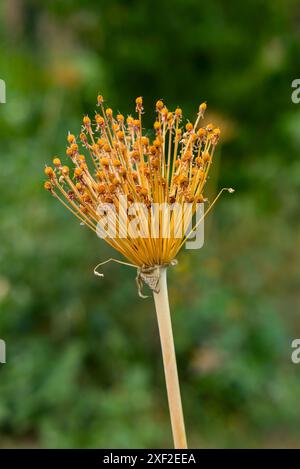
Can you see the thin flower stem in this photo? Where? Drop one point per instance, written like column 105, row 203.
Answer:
column 169, row 360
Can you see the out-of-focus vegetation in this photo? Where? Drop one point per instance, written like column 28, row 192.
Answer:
column 83, row 357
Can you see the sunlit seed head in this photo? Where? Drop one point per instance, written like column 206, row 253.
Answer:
column 104, row 162
column 56, row 162
column 201, row 133
column 99, row 120
column 155, row 163
column 145, row 141
column 153, row 150
column 183, row 179
column 202, row 109
column 136, row 124
column 199, row 161
column 77, row 172
column 139, row 104
column 116, row 181
column 100, row 99
column 49, row 171
column 189, row 127
column 107, row 148
column 71, row 138
column 206, row 156
column 135, row 155
column 86, row 121
column 159, row 105
column 144, row 191
column 100, row 142
column 83, row 138
column 100, row 175
column 101, row 188
column 178, row 134
column 48, row 186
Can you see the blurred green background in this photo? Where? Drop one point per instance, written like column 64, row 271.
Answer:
column 83, row 356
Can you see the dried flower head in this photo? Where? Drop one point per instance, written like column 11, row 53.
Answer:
column 170, row 168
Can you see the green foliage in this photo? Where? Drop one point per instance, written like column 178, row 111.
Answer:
column 83, row 358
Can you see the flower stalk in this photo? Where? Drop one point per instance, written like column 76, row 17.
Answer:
column 169, row 361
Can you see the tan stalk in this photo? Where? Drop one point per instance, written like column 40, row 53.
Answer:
column 169, row 360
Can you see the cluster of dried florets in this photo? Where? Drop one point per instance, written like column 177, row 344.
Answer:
column 170, row 168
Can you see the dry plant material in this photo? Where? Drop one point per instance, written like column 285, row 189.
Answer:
column 121, row 161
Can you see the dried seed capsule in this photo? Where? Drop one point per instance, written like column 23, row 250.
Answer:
column 71, row 138
column 202, row 108
column 189, row 126
column 145, row 141
column 48, row 186
column 99, row 120
column 65, row 170
column 56, row 162
column 206, row 157
column 86, row 121
column 104, row 161
column 49, row 171
column 116, row 163
column 99, row 99
column 159, row 105
column 78, row 172
column 101, row 188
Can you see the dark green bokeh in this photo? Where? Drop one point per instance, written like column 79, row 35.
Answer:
column 83, row 356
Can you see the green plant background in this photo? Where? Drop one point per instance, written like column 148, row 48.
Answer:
column 83, row 356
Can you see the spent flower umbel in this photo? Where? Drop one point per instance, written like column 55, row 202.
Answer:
column 113, row 157
column 120, row 161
